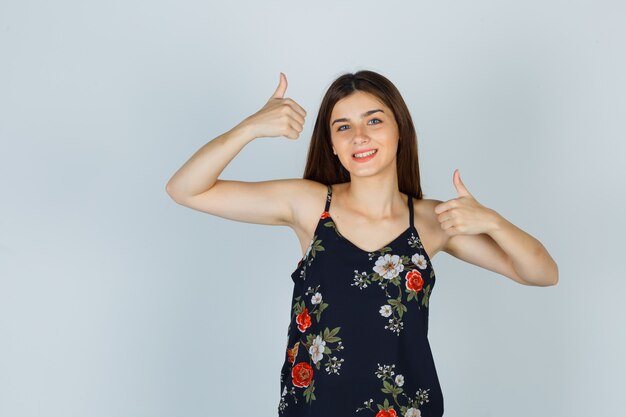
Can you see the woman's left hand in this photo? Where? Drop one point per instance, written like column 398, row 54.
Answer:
column 464, row 215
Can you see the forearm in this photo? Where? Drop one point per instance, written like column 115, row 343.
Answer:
column 529, row 257
column 202, row 170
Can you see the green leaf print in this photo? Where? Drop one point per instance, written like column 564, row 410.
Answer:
column 401, row 309
column 331, row 223
column 383, row 406
column 308, row 392
column 387, row 388
column 329, row 336
column 317, row 247
column 323, row 356
column 317, row 310
column 426, row 295
column 334, row 331
column 393, row 301
column 392, row 385
column 298, row 307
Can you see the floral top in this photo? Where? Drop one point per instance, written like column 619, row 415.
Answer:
column 357, row 343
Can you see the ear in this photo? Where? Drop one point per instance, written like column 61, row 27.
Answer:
column 334, row 151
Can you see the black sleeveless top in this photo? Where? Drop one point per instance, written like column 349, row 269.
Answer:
column 357, row 343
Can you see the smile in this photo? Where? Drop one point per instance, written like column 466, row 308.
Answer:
column 364, row 156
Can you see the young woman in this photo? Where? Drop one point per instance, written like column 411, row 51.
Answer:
column 357, row 341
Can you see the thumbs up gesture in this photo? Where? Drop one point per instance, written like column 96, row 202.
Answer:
column 464, row 215
column 280, row 116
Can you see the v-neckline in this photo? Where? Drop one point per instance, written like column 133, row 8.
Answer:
column 338, row 232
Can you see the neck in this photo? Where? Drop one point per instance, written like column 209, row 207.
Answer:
column 376, row 197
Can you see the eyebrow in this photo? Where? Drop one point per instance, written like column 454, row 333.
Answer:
column 367, row 113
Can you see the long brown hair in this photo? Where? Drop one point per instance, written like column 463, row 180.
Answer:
column 324, row 167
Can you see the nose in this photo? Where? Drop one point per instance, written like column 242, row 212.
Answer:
column 359, row 135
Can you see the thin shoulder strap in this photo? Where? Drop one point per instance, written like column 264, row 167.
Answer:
column 410, row 211
column 329, row 196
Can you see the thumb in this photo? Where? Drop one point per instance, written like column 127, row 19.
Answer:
column 458, row 184
column 282, row 87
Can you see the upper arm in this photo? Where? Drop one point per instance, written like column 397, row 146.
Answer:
column 480, row 250
column 272, row 202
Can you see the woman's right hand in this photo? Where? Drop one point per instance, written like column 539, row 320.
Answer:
column 291, row 202
column 278, row 117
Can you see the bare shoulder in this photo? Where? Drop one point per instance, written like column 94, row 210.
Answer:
column 432, row 235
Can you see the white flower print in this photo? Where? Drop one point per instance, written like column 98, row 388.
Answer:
column 419, row 260
column 317, row 349
column 283, row 400
column 409, row 408
column 385, row 371
column 395, row 325
column 414, row 242
column 385, row 310
column 421, row 396
column 316, row 299
column 360, row 280
column 413, row 412
column 388, row 266
column 334, row 365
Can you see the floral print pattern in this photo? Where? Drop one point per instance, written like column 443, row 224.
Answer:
column 407, row 406
column 319, row 347
column 323, row 279
column 399, row 271
column 388, row 266
column 314, row 246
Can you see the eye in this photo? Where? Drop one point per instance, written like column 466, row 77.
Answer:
column 340, row 128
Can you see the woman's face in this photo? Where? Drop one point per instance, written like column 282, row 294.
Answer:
column 360, row 123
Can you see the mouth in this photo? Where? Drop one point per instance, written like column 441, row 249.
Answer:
column 365, row 155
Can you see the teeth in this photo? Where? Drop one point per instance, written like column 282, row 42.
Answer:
column 364, row 154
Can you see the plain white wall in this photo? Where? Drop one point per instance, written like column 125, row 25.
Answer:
column 116, row 301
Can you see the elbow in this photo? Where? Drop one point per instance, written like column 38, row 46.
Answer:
column 556, row 275
column 546, row 281
column 554, row 278
column 171, row 192
column 552, row 270
column 168, row 189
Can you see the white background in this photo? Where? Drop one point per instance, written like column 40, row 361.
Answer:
column 116, row 301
